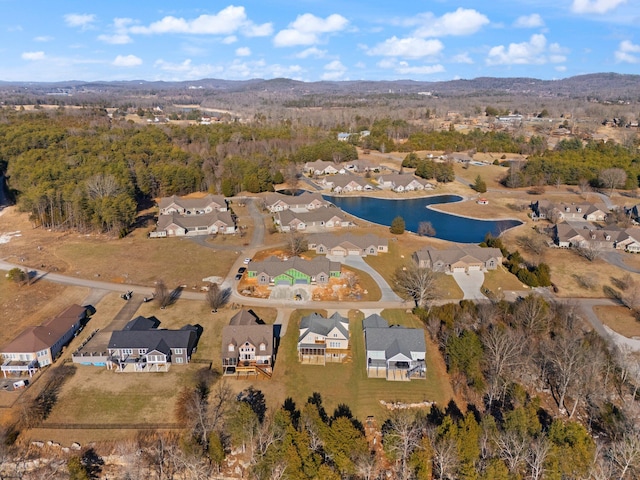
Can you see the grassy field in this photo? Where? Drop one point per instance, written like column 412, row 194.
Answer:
column 619, row 319
column 348, row 382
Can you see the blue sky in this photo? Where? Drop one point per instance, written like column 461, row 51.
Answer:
column 313, row 40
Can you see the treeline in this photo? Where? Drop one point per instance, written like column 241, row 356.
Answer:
column 81, row 170
column 571, row 163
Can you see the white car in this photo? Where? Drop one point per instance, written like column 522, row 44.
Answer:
column 246, row 261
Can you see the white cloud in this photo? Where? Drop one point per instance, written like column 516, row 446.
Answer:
column 33, row 56
column 407, row 48
column 307, row 30
column 533, row 52
column 227, row 21
column 561, row 68
column 334, row 70
column 115, row 39
column 462, row 58
column 461, row 22
column 229, row 40
column 243, row 52
column 120, row 35
column 43, row 38
column 625, row 52
column 529, row 21
column 312, row 52
column 82, row 20
column 127, row 61
column 595, row 6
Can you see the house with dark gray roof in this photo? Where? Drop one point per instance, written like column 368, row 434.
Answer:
column 459, row 258
column 294, row 270
column 247, row 346
column 323, row 340
column 347, row 244
column 143, row 347
column 394, row 352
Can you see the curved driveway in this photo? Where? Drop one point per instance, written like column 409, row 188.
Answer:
column 388, row 295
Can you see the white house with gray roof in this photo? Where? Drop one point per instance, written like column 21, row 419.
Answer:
column 277, row 202
column 293, row 271
column 177, row 225
column 394, row 352
column 323, row 340
column 403, row 182
column 314, row 220
column 192, row 206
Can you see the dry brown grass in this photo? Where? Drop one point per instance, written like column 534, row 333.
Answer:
column 619, row 319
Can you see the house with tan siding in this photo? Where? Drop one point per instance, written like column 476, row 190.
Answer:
column 247, row 346
column 322, row 340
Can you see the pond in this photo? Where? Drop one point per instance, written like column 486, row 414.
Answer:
column 414, row 210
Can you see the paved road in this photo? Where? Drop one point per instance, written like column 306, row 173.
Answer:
column 617, row 259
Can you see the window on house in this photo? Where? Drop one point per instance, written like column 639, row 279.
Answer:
column 263, row 347
column 127, row 351
column 142, row 351
column 231, row 347
column 178, row 351
column 179, row 360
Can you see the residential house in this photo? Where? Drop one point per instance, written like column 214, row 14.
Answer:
column 143, row 347
column 293, row 271
column 320, row 219
column 278, row 202
column 176, row 225
column 591, row 212
column 247, row 346
column 322, row 167
column 344, row 136
column 347, row 244
column 39, row 346
column 566, row 236
column 192, row 206
column 629, row 240
column 393, row 352
column 402, row 182
column 347, row 183
column 323, row 340
column 459, row 258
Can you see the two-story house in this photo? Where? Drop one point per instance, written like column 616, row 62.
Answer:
column 323, row 340
column 247, row 346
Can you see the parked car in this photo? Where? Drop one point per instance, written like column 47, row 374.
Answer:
column 238, row 276
column 241, row 270
column 246, row 261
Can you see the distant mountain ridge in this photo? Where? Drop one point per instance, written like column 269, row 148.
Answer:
column 600, row 85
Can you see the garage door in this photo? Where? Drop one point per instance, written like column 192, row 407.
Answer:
column 474, row 267
column 459, row 269
column 301, row 281
column 354, row 252
column 283, row 282
column 338, row 253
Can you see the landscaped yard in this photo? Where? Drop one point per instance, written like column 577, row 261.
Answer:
column 348, row 383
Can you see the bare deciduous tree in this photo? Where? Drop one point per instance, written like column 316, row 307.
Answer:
column 417, row 284
column 102, row 186
column 401, row 438
column 612, row 178
column 296, row 243
column 425, row 229
column 161, row 293
column 532, row 313
column 536, row 457
column 217, row 297
column 625, row 454
column 503, row 348
column 590, row 250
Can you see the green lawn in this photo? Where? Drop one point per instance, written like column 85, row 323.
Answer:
column 348, row 383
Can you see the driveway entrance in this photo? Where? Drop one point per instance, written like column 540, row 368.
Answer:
column 470, row 283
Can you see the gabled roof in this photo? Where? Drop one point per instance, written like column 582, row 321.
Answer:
column 344, row 180
column 245, row 317
column 41, row 337
column 401, row 179
column 273, row 266
column 255, row 334
column 192, row 203
column 467, row 253
column 331, row 240
column 193, row 221
column 153, row 339
column 320, row 325
column 304, row 198
column 394, row 340
column 316, row 215
column 374, row 321
column 142, row 323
